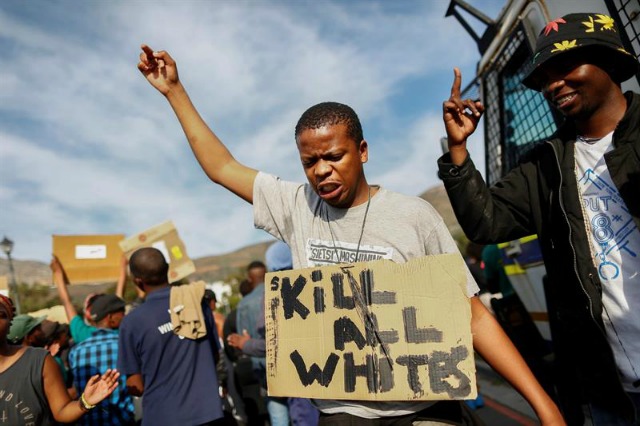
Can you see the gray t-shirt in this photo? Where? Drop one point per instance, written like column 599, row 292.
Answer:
column 22, row 397
column 397, row 227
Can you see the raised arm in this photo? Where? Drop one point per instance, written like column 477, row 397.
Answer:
column 214, row 158
column 122, row 278
column 60, row 280
column 460, row 120
column 491, row 342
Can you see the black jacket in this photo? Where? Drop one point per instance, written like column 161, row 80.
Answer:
column 540, row 196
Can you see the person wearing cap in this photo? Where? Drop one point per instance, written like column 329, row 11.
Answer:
column 81, row 328
column 98, row 354
column 27, row 331
column 579, row 192
column 33, row 392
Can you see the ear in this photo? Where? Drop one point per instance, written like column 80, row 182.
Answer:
column 363, row 149
column 138, row 282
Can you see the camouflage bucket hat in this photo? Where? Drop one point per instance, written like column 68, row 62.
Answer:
column 582, row 31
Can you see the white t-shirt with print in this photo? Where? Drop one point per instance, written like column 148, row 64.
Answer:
column 615, row 246
column 397, row 227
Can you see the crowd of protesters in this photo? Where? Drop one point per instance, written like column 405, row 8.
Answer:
column 169, row 346
column 157, row 353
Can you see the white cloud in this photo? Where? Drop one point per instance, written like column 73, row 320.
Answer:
column 89, row 147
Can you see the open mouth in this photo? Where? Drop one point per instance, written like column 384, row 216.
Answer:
column 329, row 190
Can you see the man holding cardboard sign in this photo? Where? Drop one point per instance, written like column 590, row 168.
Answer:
column 339, row 218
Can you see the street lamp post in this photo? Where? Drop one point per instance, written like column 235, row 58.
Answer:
column 7, row 245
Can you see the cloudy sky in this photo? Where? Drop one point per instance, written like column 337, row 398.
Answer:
column 89, row 147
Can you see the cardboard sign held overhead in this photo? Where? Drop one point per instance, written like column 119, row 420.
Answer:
column 165, row 238
column 377, row 331
column 4, row 286
column 89, row 258
column 55, row 313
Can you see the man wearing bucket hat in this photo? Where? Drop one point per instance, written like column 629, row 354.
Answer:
column 578, row 192
column 27, row 331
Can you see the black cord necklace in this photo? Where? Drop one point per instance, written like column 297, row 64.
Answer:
column 364, row 221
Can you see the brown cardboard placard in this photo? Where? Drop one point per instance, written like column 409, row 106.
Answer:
column 417, row 344
column 165, row 238
column 4, row 285
column 89, row 259
column 55, row 313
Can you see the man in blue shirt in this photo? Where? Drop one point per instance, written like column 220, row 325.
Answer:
column 250, row 309
column 176, row 375
column 96, row 355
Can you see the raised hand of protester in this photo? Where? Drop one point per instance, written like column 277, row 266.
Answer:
column 460, row 119
column 158, row 68
column 99, row 387
column 59, row 273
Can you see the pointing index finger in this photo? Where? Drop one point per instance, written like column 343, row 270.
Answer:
column 457, row 82
column 148, row 52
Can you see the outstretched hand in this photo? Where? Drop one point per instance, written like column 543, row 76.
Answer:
column 460, row 116
column 99, row 387
column 159, row 69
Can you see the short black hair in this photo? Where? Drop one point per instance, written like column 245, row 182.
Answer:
column 150, row 266
column 209, row 295
column 331, row 114
column 256, row 264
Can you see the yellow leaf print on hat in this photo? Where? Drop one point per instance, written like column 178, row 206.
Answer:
column 565, row 45
column 607, row 22
column 589, row 24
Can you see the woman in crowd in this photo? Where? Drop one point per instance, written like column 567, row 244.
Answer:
column 31, row 386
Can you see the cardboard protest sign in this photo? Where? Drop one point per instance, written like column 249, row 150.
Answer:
column 165, row 238
column 4, row 286
column 378, row 331
column 55, row 313
column 89, row 258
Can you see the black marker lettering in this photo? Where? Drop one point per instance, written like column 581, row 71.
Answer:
column 443, row 365
column 323, row 376
column 341, row 301
column 352, row 371
column 386, row 374
column 386, row 336
column 344, row 330
column 318, row 300
column 275, row 283
column 412, row 362
column 289, row 294
column 413, row 334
